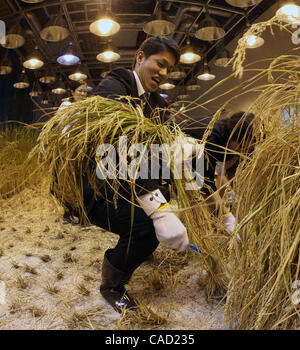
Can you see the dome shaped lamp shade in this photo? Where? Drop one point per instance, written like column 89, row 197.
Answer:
column 14, row 38
column 159, row 24
column 177, row 73
column 56, row 30
column 59, row 88
column 22, row 82
column 209, row 29
column 105, row 25
column 192, row 85
column 78, row 76
column 254, row 41
column 243, row 3
column 206, row 74
column 69, row 57
column 5, row 65
column 32, row 1
column 189, row 54
column 289, row 12
column 47, row 78
column 222, row 58
column 33, row 60
column 109, row 54
column 36, row 90
column 168, row 85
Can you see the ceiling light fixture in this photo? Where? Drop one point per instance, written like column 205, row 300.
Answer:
column 159, row 23
column 106, row 24
column 77, row 76
column 206, row 74
column 5, row 65
column 47, row 78
column 33, row 60
column 209, row 29
column 108, row 54
column 69, row 57
column 167, row 86
column 32, row 1
column 192, row 85
column 56, row 30
column 222, row 58
column 177, row 74
column 243, row 3
column 189, row 54
column 289, row 12
column 36, row 89
column 254, row 41
column 22, row 82
column 59, row 88
column 14, row 38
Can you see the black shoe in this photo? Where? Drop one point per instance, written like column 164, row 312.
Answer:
column 69, row 219
column 112, row 287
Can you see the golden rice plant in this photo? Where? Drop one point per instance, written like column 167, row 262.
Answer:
column 16, row 169
column 266, row 265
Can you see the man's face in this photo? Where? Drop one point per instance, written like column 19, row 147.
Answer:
column 154, row 70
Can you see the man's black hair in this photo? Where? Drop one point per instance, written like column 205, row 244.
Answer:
column 157, row 44
column 239, row 126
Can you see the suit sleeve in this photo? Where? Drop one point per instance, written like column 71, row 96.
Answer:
column 111, row 88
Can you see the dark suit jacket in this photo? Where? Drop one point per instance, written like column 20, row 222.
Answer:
column 121, row 82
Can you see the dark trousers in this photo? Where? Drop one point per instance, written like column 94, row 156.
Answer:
column 135, row 229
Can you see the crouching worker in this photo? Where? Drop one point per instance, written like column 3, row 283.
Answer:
column 142, row 225
column 230, row 138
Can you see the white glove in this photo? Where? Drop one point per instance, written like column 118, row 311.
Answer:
column 229, row 222
column 168, row 228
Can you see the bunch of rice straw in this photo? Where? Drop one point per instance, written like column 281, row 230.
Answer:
column 262, row 293
column 16, row 169
column 68, row 144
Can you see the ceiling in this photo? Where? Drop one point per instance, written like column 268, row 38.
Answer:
column 132, row 15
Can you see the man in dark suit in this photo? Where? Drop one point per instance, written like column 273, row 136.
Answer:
column 139, row 233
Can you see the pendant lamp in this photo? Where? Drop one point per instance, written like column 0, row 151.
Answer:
column 36, row 90
column 14, row 38
column 33, row 60
column 177, row 74
column 209, row 29
column 243, row 3
column 69, row 57
column 32, row 1
column 192, row 85
column 222, row 58
column 289, row 12
column 105, row 25
column 5, row 65
column 22, row 82
column 78, row 75
column 206, row 74
column 159, row 24
column 168, row 85
column 189, row 54
column 59, row 88
column 108, row 54
column 56, row 30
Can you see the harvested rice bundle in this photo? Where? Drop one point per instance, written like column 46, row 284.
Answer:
column 68, row 144
column 16, row 169
column 267, row 261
